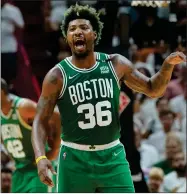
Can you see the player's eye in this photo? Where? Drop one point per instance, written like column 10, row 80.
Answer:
column 84, row 27
column 71, row 29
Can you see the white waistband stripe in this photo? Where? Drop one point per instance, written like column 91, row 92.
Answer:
column 90, row 147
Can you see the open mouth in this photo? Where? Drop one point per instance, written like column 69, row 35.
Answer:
column 79, row 44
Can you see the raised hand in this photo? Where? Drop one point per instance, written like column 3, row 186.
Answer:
column 175, row 58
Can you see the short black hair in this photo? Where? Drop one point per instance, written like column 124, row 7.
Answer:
column 160, row 99
column 83, row 12
column 6, row 170
column 4, row 86
column 167, row 112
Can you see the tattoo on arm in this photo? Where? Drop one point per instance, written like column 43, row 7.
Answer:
column 53, row 80
column 152, row 87
column 45, row 107
column 161, row 79
column 166, row 67
column 47, row 102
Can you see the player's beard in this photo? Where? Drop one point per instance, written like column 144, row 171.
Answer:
column 81, row 55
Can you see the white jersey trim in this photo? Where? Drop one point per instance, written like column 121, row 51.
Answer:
column 64, row 80
column 90, row 147
column 83, row 70
column 113, row 71
column 58, row 167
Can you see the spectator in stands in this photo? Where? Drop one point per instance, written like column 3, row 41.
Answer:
column 148, row 153
column 156, row 176
column 156, row 58
column 158, row 139
column 57, row 13
column 57, row 45
column 175, row 181
column 183, row 126
column 181, row 17
column 6, row 179
column 162, row 104
column 173, row 146
column 145, row 31
column 64, row 50
column 178, row 105
column 146, row 105
column 176, row 87
column 148, row 110
column 139, row 61
column 109, row 13
column 11, row 23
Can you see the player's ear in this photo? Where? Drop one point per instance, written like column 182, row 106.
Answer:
column 95, row 35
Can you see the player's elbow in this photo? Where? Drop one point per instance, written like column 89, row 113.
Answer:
column 153, row 94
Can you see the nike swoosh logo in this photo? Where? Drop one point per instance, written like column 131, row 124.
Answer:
column 71, row 77
column 115, row 154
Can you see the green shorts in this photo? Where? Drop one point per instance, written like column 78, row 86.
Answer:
column 104, row 171
column 54, row 178
column 26, row 180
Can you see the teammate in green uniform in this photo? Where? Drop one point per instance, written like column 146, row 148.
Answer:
column 17, row 115
column 86, row 89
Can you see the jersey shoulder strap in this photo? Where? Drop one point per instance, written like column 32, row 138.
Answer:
column 103, row 57
column 16, row 101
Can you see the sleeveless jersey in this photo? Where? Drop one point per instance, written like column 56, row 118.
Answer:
column 89, row 102
column 16, row 136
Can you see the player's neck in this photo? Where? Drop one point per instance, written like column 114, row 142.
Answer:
column 84, row 63
column 6, row 105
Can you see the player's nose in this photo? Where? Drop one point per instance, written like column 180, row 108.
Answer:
column 78, row 32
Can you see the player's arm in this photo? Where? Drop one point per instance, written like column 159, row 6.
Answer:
column 54, row 135
column 153, row 87
column 27, row 111
column 50, row 92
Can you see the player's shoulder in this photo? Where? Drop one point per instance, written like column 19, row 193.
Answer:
column 54, row 80
column 17, row 100
column 118, row 58
column 64, row 61
column 55, row 73
column 120, row 62
column 115, row 58
column 26, row 107
column 25, row 103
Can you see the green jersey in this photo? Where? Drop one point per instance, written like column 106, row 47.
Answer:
column 16, row 136
column 89, row 102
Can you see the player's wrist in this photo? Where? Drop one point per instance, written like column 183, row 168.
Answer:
column 40, row 158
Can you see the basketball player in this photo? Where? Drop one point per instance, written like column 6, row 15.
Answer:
column 86, row 88
column 17, row 115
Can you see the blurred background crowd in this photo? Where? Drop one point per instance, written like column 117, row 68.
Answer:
column 143, row 31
